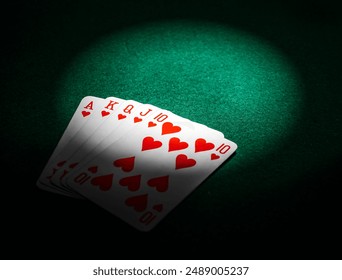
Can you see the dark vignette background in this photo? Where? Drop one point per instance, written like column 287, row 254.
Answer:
column 39, row 40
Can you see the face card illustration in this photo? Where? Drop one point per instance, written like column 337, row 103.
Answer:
column 143, row 175
column 83, row 113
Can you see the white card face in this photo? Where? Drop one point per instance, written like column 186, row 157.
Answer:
column 201, row 127
column 138, row 117
column 146, row 116
column 111, row 130
column 119, row 119
column 100, row 114
column 147, row 172
column 83, row 114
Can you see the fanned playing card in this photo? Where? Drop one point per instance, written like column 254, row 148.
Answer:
column 88, row 137
column 141, row 162
column 84, row 113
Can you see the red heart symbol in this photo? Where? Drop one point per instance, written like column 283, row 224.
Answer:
column 105, row 113
column 160, row 183
column 85, row 113
column 201, row 145
column 139, row 202
column 127, row 164
column 93, row 169
column 151, row 124
column 149, row 143
column 103, row 182
column 170, row 128
column 214, row 156
column 158, row 207
column 120, row 116
column 73, row 165
column 136, row 119
column 54, row 170
column 182, row 161
column 175, row 144
column 61, row 163
column 133, row 182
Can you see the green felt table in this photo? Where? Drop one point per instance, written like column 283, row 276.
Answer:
column 267, row 75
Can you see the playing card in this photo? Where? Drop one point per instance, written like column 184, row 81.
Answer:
column 112, row 128
column 81, row 115
column 147, row 172
column 105, row 135
column 96, row 110
column 136, row 121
